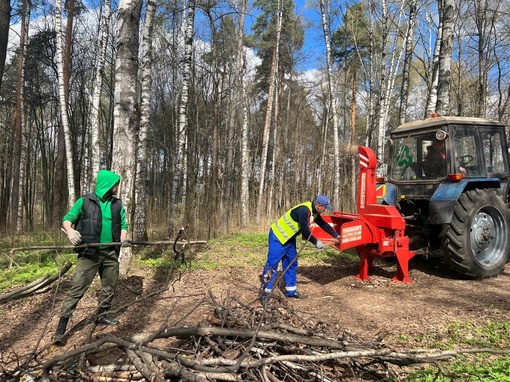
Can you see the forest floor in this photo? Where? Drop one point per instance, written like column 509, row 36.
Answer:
column 402, row 315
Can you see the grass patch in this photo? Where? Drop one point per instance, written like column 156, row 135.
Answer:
column 466, row 369
column 244, row 239
column 242, row 249
column 311, row 256
column 489, row 334
column 235, row 250
column 31, row 267
column 482, row 367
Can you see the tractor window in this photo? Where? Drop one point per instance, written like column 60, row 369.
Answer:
column 417, row 158
column 492, row 152
column 466, row 159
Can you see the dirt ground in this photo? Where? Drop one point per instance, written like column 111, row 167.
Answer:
column 398, row 312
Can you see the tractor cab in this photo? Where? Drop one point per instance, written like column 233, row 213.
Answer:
column 447, row 152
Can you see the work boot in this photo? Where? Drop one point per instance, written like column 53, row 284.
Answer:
column 103, row 319
column 61, row 330
column 107, row 321
column 298, row 296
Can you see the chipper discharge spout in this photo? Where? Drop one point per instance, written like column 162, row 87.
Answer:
column 376, row 230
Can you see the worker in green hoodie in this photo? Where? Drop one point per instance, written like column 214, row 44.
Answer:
column 98, row 217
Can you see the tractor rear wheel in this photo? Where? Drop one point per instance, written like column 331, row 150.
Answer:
column 477, row 241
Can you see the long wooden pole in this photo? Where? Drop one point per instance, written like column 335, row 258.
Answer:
column 88, row 245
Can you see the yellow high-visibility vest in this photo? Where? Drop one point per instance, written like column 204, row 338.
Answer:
column 286, row 227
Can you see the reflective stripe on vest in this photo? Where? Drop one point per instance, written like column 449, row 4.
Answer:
column 286, row 227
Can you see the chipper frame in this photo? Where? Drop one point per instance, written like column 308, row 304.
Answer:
column 376, row 230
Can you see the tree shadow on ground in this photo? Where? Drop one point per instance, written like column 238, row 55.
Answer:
column 34, row 311
column 153, row 299
column 341, row 268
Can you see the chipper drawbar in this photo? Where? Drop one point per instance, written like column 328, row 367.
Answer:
column 376, row 230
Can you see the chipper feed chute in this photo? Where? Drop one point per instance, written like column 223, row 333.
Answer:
column 375, row 230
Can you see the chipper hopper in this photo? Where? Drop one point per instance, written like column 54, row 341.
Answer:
column 376, row 230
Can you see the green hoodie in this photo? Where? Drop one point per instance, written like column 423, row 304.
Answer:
column 104, row 183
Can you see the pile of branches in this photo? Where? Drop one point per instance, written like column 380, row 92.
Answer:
column 239, row 342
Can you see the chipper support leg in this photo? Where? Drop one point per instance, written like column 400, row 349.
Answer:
column 365, row 264
column 403, row 258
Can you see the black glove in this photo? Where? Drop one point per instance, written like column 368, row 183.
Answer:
column 125, row 243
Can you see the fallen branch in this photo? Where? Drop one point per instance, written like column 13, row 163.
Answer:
column 247, row 333
column 12, row 294
column 35, row 285
column 10, row 255
column 90, row 245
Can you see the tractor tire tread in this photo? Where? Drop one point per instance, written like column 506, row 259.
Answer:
column 455, row 236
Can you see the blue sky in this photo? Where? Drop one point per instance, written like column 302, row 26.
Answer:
column 313, row 49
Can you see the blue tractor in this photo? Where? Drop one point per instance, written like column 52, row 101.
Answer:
column 448, row 177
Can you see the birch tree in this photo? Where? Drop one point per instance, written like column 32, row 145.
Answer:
column 446, row 13
column 245, row 155
column 127, row 110
column 140, row 220
column 239, row 99
column 381, row 122
column 404, row 93
column 433, row 70
column 333, row 105
column 180, row 170
column 63, row 104
column 96, row 93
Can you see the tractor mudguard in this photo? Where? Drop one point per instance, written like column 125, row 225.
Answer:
column 442, row 203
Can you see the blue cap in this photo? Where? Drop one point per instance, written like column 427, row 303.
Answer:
column 324, row 200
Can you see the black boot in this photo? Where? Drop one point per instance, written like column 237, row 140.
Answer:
column 103, row 319
column 61, row 330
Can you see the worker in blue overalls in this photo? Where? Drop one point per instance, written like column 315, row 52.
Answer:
column 282, row 243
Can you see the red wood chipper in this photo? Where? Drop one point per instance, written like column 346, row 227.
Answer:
column 376, row 230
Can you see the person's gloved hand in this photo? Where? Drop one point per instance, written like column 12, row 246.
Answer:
column 319, row 244
column 74, row 236
column 125, row 243
column 337, row 241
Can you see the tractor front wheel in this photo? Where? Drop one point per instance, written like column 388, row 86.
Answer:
column 477, row 241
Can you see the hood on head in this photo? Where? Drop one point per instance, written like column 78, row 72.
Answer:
column 105, row 181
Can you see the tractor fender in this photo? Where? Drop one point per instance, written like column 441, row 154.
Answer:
column 443, row 201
